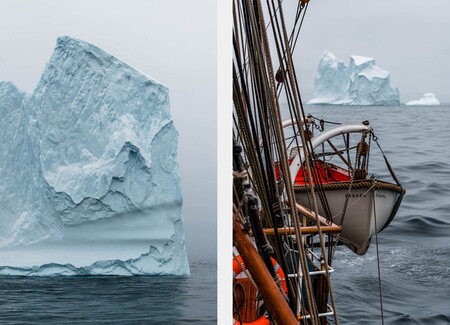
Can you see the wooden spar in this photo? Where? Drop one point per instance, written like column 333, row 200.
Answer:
column 336, row 151
column 312, row 216
column 273, row 298
column 305, row 230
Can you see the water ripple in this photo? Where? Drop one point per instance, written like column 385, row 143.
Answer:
column 415, row 248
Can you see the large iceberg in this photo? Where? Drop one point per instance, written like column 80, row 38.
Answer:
column 359, row 83
column 427, row 99
column 89, row 182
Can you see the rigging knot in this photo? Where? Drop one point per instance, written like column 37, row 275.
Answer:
column 279, row 76
column 359, row 173
column 363, row 148
column 241, row 174
column 267, row 249
column 308, row 135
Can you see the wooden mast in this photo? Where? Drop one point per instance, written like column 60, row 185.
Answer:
column 274, row 299
column 258, row 121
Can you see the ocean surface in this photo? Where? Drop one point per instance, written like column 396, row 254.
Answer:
column 112, row 300
column 415, row 248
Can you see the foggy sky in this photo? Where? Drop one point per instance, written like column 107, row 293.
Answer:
column 408, row 38
column 175, row 43
column 172, row 41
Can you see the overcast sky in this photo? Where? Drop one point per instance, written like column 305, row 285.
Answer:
column 175, row 43
column 171, row 41
column 408, row 38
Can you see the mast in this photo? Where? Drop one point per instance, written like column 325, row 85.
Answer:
column 270, row 292
column 263, row 189
column 283, row 177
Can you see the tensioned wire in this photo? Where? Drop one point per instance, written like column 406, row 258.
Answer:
column 262, row 101
column 252, row 59
column 250, row 49
column 297, row 108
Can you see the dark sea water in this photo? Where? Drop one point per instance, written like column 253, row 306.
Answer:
column 112, row 300
column 415, row 248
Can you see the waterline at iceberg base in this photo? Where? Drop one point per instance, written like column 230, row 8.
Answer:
column 89, row 178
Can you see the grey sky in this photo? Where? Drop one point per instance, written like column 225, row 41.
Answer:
column 175, row 43
column 409, row 38
column 171, row 41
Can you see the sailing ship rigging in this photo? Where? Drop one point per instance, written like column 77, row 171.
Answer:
column 300, row 189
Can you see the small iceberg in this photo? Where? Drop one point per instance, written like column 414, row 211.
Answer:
column 427, row 99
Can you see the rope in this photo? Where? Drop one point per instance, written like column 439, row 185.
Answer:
column 295, row 104
column 356, row 185
column 391, row 171
column 235, row 303
column 251, row 102
column 238, row 308
column 324, row 121
column 279, row 28
column 247, row 273
column 378, row 260
column 258, row 127
column 282, row 151
column 242, row 174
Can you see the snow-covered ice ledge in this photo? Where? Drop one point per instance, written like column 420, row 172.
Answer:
column 89, row 177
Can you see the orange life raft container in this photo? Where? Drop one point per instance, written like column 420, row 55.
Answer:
column 239, row 267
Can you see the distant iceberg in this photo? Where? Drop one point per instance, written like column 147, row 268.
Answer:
column 359, row 83
column 427, row 99
column 89, row 176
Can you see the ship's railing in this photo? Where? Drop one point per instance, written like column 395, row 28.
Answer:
column 330, row 312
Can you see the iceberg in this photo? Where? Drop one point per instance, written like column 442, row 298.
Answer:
column 427, row 99
column 359, row 83
column 89, row 178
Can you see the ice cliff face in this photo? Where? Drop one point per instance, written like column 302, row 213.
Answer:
column 10, row 97
column 359, row 83
column 89, row 177
column 427, row 99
